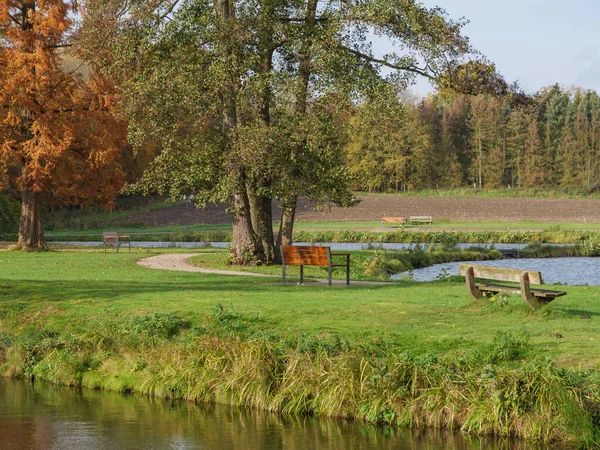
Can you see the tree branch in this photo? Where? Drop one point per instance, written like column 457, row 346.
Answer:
column 409, row 68
column 57, row 46
column 14, row 19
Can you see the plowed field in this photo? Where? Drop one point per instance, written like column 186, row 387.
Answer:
column 373, row 208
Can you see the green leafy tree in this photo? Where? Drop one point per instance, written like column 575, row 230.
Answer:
column 225, row 81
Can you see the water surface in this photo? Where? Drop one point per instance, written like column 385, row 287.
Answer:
column 42, row 416
column 570, row 271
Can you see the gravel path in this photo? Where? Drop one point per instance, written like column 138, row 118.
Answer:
column 178, row 262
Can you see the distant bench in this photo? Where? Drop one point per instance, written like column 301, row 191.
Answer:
column 533, row 297
column 420, row 219
column 304, row 255
column 112, row 238
column 399, row 220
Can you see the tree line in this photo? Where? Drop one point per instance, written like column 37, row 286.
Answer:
column 448, row 140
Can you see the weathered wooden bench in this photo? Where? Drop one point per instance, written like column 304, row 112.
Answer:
column 533, row 297
column 304, row 255
column 420, row 219
column 112, row 238
column 399, row 220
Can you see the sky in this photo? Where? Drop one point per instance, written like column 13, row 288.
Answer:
column 534, row 42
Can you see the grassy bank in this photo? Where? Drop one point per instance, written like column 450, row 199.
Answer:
column 408, row 354
column 343, row 235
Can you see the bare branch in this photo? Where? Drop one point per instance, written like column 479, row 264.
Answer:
column 407, row 68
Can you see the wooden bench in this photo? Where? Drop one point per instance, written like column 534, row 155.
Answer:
column 420, row 219
column 399, row 220
column 112, row 238
column 533, row 297
column 303, row 255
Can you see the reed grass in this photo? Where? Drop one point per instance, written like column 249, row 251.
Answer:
column 531, row 400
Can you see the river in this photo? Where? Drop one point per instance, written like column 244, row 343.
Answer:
column 569, row 271
column 45, row 417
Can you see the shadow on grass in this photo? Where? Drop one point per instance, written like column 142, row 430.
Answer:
column 68, row 290
column 581, row 313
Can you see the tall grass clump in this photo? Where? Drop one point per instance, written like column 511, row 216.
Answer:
column 385, row 263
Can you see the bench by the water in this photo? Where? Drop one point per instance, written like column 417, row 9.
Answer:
column 398, row 220
column 420, row 219
column 533, row 297
column 112, row 238
column 304, row 255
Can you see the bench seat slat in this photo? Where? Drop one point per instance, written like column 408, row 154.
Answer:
column 545, row 293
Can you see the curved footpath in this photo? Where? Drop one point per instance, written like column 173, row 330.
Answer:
column 178, row 262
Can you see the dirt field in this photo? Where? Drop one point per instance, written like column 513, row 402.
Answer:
column 373, row 208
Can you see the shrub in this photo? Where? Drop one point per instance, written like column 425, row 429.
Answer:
column 9, row 215
column 591, row 246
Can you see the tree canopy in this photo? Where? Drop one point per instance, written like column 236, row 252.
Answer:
column 58, row 141
column 245, row 98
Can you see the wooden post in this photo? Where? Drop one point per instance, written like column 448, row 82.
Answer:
column 470, row 281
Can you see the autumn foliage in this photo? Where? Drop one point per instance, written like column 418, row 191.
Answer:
column 59, row 142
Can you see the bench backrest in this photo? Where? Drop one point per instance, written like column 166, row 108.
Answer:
column 111, row 237
column 421, row 218
column 500, row 274
column 296, row 255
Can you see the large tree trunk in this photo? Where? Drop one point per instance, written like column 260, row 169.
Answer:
column 243, row 244
column 286, row 227
column 262, row 221
column 288, row 215
column 31, row 234
column 243, row 248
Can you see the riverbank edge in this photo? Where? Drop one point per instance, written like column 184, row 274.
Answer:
column 532, row 400
column 399, row 236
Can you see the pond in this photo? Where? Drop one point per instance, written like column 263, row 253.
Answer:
column 42, row 416
column 570, row 271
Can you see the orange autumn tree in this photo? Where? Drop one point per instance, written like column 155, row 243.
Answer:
column 59, row 143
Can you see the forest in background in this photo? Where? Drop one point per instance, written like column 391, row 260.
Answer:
column 550, row 140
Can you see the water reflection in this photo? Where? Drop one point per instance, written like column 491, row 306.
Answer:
column 570, row 271
column 42, row 416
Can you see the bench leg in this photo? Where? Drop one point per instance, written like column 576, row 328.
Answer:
column 347, row 270
column 470, row 282
column 330, row 273
column 301, row 274
column 526, row 292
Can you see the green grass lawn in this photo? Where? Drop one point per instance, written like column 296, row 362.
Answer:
column 75, row 290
